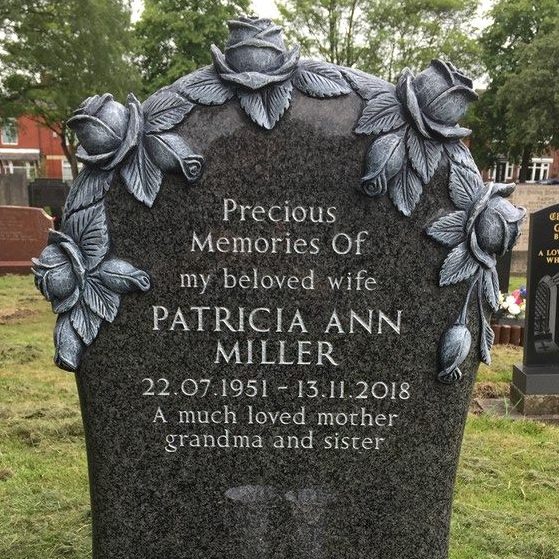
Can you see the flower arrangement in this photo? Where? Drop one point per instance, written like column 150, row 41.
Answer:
column 513, row 305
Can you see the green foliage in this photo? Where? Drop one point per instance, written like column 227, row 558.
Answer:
column 531, row 95
column 517, row 115
column 328, row 29
column 515, row 24
column 55, row 54
column 384, row 36
column 173, row 37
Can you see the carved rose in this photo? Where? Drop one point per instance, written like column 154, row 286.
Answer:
column 436, row 99
column 106, row 130
column 497, row 226
column 59, row 272
column 454, row 347
column 83, row 283
column 485, row 226
column 493, row 224
column 255, row 55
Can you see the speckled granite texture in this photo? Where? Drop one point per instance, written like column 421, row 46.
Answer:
column 213, row 503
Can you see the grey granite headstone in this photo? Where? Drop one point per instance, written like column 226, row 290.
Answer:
column 535, row 382
column 310, row 257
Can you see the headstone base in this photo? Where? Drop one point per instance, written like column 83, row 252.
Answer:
column 535, row 390
column 15, row 267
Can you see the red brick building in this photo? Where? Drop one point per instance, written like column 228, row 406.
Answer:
column 542, row 167
column 27, row 146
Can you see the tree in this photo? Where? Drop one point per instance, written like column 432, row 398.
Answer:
column 173, row 37
column 531, row 95
column 330, row 29
column 506, row 121
column 413, row 32
column 55, row 54
column 384, row 36
column 515, row 24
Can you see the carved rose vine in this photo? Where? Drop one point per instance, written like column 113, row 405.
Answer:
column 82, row 282
column 411, row 123
column 414, row 126
column 76, row 272
column 260, row 72
column 484, row 225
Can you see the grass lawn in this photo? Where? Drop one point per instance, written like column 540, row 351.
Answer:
column 507, row 496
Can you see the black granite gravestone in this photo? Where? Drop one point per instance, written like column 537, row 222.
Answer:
column 535, row 383
column 273, row 387
column 49, row 193
column 503, row 270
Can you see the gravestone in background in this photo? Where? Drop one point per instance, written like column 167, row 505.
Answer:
column 49, row 193
column 13, row 190
column 503, row 271
column 535, row 382
column 23, row 234
column 273, row 280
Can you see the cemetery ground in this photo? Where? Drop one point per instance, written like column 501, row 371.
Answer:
column 506, row 497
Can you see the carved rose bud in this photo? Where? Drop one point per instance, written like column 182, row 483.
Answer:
column 172, row 154
column 385, row 158
column 255, row 54
column 454, row 346
column 121, row 277
column 106, row 130
column 59, row 272
column 493, row 224
column 437, row 99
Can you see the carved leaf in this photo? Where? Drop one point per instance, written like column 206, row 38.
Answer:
column 464, row 186
column 458, row 266
column 450, row 229
column 368, row 86
column 164, row 110
column 88, row 187
column 491, row 288
column 100, row 299
column 382, row 114
column 266, row 106
column 85, row 322
column 205, row 87
column 69, row 347
column 405, row 190
column 425, row 155
column 88, row 228
column 486, row 339
column 141, row 176
column 319, row 79
column 460, row 154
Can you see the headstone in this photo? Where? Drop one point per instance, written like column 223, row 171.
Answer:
column 23, row 234
column 503, row 271
column 13, row 190
column 535, row 383
column 273, row 281
column 49, row 193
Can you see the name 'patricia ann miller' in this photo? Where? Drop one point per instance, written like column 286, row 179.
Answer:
column 266, row 320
